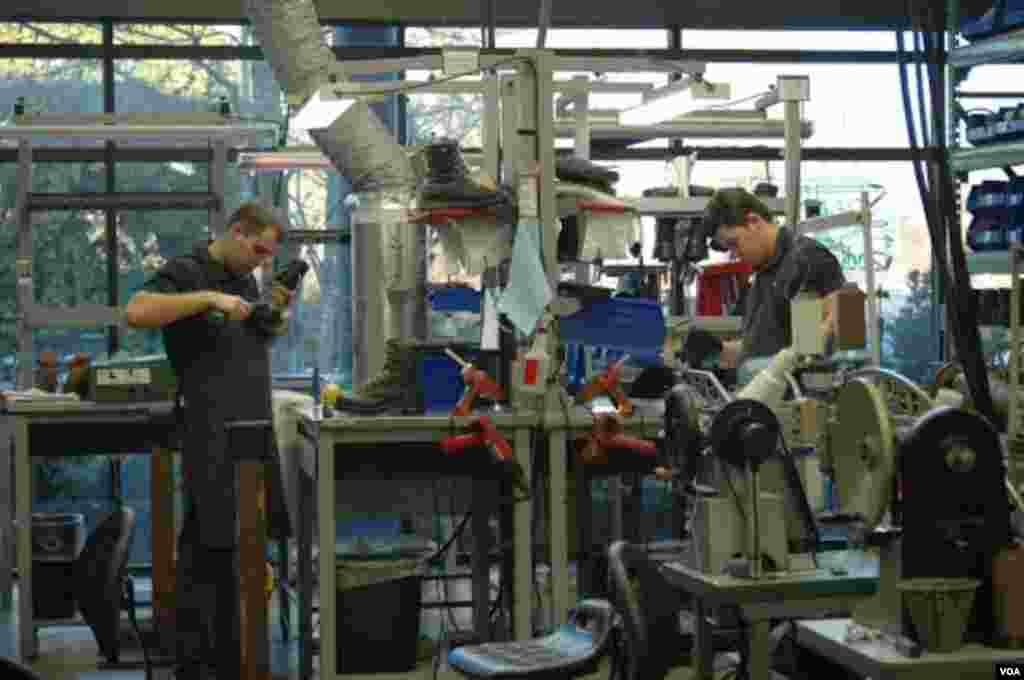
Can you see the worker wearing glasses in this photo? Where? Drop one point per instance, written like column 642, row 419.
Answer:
column 784, row 264
column 223, row 370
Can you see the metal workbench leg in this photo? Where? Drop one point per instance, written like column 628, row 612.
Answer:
column 483, row 494
column 253, row 619
column 27, row 641
column 506, row 521
column 24, row 294
column 584, row 531
column 161, row 477
column 6, row 507
column 284, row 603
column 559, row 529
column 522, row 587
column 759, row 651
column 304, row 541
column 328, row 588
column 703, row 651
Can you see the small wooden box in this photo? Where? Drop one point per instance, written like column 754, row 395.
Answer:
column 850, row 321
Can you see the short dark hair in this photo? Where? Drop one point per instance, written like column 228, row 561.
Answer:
column 255, row 219
column 729, row 207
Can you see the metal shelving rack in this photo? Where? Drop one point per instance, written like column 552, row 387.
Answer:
column 1000, row 49
column 220, row 132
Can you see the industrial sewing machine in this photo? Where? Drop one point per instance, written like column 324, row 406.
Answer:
column 928, row 498
column 749, row 445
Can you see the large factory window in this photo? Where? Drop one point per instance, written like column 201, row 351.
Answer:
column 50, row 33
column 189, row 35
column 147, row 239
column 867, row 41
column 163, row 86
column 65, row 85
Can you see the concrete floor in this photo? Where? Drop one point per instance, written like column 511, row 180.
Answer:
column 70, row 653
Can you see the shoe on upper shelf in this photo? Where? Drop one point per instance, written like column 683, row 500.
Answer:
column 696, row 191
column 447, row 181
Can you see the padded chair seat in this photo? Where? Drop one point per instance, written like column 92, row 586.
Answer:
column 574, row 648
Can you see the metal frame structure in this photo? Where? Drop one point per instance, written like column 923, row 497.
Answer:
column 220, row 133
column 863, row 219
column 999, row 49
column 528, row 131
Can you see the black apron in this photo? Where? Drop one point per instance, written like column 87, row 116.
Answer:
column 229, row 380
column 226, row 378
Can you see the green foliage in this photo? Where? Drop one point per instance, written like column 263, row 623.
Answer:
column 911, row 345
column 454, row 116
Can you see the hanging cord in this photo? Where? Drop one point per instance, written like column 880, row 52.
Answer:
column 939, row 208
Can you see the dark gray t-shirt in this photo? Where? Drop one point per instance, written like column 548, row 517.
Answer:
column 195, row 271
column 799, row 263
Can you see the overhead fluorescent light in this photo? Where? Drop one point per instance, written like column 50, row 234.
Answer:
column 322, row 109
column 670, row 102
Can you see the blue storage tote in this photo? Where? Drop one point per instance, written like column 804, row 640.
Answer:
column 440, row 378
column 455, row 299
column 633, row 326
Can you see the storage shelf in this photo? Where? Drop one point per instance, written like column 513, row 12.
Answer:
column 988, row 156
column 998, row 49
column 672, row 206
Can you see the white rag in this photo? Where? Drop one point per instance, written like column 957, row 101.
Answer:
column 286, row 406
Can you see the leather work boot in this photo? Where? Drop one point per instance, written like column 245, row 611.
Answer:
column 392, row 389
column 696, row 191
column 446, row 181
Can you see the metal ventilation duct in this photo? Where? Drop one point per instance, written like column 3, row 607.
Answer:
column 289, row 33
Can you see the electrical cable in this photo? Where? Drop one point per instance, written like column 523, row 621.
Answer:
column 968, row 336
column 937, row 202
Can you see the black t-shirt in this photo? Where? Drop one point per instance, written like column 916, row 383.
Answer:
column 187, row 274
column 800, row 263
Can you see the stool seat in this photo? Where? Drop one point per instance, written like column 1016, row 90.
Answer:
column 573, row 649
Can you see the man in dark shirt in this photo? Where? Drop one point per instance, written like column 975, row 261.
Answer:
column 784, row 264
column 223, row 372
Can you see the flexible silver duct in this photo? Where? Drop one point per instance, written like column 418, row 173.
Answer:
column 365, row 152
column 289, row 33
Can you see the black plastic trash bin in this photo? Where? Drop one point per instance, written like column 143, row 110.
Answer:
column 57, row 538
column 379, row 598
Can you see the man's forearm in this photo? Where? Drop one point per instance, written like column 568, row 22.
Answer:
column 154, row 310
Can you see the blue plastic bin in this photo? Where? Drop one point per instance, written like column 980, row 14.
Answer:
column 455, row 299
column 440, row 378
column 633, row 325
column 610, row 329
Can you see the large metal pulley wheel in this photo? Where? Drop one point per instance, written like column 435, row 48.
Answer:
column 745, row 432
column 863, row 452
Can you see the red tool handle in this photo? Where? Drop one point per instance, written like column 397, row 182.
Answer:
column 624, row 441
column 465, row 405
column 446, row 214
column 500, row 447
column 458, row 443
column 597, row 206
